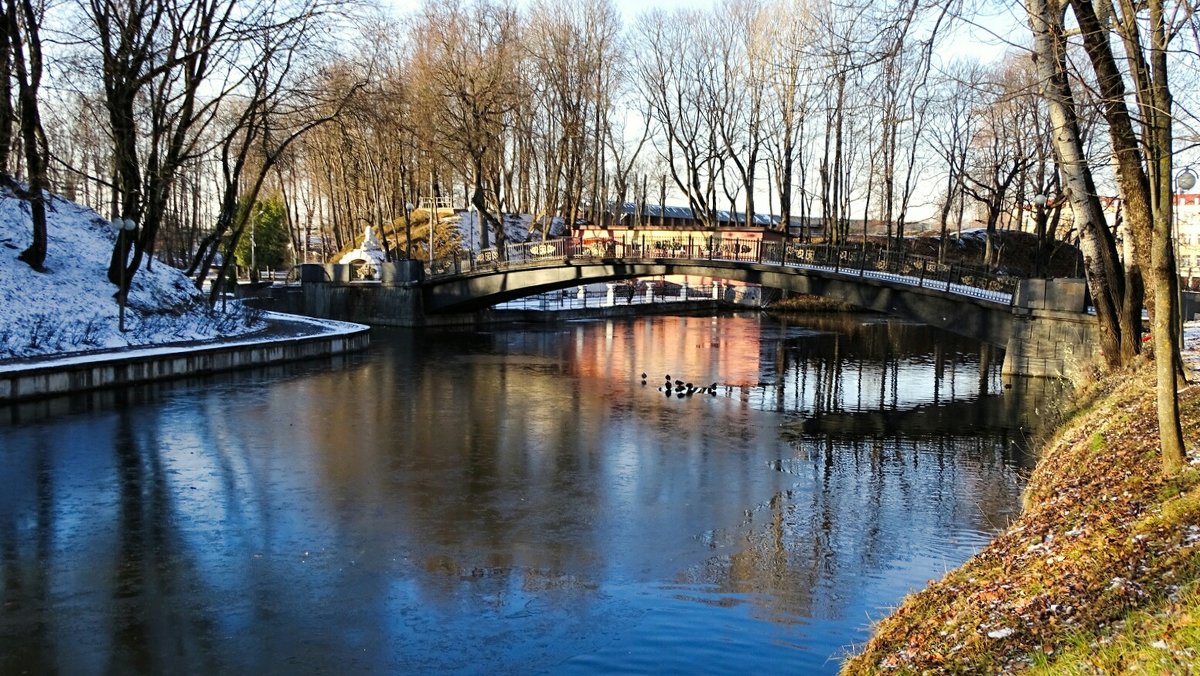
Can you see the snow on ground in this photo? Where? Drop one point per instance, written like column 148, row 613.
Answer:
column 1191, row 347
column 301, row 326
column 517, row 228
column 71, row 306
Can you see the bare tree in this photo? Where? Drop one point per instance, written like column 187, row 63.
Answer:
column 23, row 54
column 951, row 134
column 789, row 105
column 674, row 67
column 467, row 56
column 737, row 91
column 1144, row 170
column 1001, row 151
column 573, row 51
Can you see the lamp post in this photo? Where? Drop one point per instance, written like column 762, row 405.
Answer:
column 122, row 226
column 408, row 207
column 253, row 262
column 1184, row 181
column 433, row 217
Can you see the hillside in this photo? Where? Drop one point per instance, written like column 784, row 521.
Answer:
column 71, row 306
column 1100, row 574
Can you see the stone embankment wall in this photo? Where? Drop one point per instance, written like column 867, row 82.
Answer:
column 1052, row 334
column 329, row 292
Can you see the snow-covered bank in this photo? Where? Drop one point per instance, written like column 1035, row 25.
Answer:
column 71, row 306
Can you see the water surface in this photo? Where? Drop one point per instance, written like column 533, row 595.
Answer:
column 515, row 501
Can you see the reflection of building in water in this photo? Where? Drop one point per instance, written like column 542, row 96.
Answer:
column 697, row 350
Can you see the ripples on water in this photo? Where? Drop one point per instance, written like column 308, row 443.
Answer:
column 514, row 501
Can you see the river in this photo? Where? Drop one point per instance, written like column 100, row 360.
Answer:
column 510, row 501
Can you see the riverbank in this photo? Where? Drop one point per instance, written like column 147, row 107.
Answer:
column 806, row 303
column 1099, row 574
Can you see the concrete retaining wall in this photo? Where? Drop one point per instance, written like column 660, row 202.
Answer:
column 140, row 366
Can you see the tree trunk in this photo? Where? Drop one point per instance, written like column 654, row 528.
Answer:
column 1166, row 297
column 27, row 60
column 7, row 114
column 1134, row 187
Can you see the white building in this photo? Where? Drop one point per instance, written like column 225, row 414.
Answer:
column 1187, row 236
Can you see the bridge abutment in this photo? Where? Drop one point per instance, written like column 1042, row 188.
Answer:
column 330, row 292
column 1052, row 335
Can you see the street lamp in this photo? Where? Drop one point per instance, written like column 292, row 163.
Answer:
column 1184, row 181
column 408, row 207
column 121, row 226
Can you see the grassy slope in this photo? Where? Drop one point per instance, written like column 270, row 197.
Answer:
column 1099, row 574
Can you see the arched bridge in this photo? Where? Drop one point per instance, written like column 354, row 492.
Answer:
column 460, row 285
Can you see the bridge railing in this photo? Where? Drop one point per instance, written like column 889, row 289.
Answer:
column 868, row 262
column 895, row 266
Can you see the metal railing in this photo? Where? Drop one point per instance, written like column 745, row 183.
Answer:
column 616, row 295
column 869, row 262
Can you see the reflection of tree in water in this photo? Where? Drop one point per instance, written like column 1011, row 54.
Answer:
column 457, row 478
column 799, row 554
column 119, row 585
column 25, row 573
column 824, row 363
column 158, row 619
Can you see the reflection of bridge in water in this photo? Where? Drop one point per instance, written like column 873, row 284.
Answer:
column 1042, row 325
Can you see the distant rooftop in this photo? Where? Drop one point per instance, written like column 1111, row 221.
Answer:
column 686, row 213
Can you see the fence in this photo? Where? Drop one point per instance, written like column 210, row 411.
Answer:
column 618, row 294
